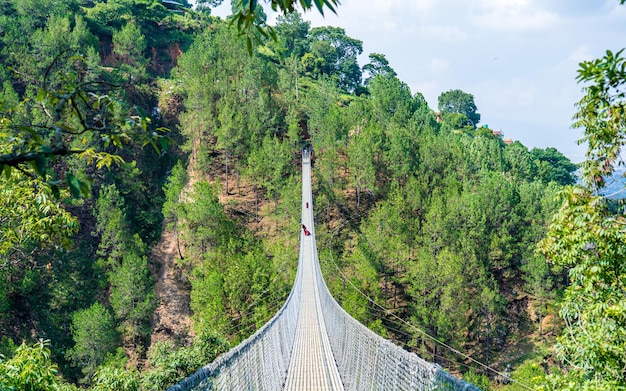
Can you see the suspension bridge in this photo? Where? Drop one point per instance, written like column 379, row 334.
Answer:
column 313, row 344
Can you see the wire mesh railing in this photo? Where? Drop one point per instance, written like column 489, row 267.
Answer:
column 259, row 362
column 365, row 360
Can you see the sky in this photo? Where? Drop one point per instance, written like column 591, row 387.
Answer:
column 518, row 58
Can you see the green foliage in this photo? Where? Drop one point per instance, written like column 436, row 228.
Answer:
column 7, row 347
column 30, row 369
column 129, row 45
column 112, row 226
column 32, row 219
column 293, row 32
column 450, row 218
column 519, row 161
column 602, row 115
column 457, row 101
column 169, row 363
column 129, row 41
column 391, row 100
column 378, row 65
column 71, row 114
column 111, row 15
column 334, row 53
column 553, row 166
column 268, row 164
column 114, row 379
column 246, row 16
column 539, row 283
column 479, row 380
column 208, row 225
column 530, row 373
column 172, row 189
column 94, row 336
column 587, row 239
column 67, row 115
column 132, row 297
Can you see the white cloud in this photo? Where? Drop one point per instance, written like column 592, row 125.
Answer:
column 430, row 89
column 450, row 34
column 395, row 7
column 512, row 15
column 575, row 57
column 509, row 97
column 439, row 65
column 380, row 17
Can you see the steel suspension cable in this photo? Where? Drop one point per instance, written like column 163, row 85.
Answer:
column 425, row 334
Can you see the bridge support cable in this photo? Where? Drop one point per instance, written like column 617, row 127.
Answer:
column 313, row 344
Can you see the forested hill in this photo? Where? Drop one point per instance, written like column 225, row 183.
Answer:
column 124, row 121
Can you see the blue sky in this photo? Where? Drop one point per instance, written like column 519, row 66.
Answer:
column 517, row 57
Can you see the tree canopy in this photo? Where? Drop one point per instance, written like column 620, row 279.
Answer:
column 435, row 222
column 587, row 238
column 459, row 102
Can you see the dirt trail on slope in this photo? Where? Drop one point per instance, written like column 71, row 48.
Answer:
column 172, row 318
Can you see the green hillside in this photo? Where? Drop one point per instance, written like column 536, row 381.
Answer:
column 150, row 151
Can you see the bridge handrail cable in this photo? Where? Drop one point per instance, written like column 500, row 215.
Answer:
column 220, row 374
column 365, row 360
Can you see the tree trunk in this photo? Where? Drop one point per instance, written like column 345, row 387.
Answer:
column 180, row 253
column 227, row 159
column 540, row 314
column 395, row 286
column 256, row 203
column 487, row 341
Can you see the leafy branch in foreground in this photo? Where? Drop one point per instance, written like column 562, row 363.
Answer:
column 602, row 115
column 586, row 237
column 31, row 368
column 78, row 117
column 30, row 215
column 247, row 16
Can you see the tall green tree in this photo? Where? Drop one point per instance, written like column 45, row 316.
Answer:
column 553, row 166
column 293, row 31
column 587, row 237
column 378, row 65
column 132, row 295
column 336, row 54
column 93, row 332
column 459, row 102
column 589, row 240
column 391, row 100
column 129, row 43
column 361, row 154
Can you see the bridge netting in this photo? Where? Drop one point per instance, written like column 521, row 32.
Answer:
column 364, row 360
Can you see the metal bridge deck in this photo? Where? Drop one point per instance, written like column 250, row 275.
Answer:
column 312, row 365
